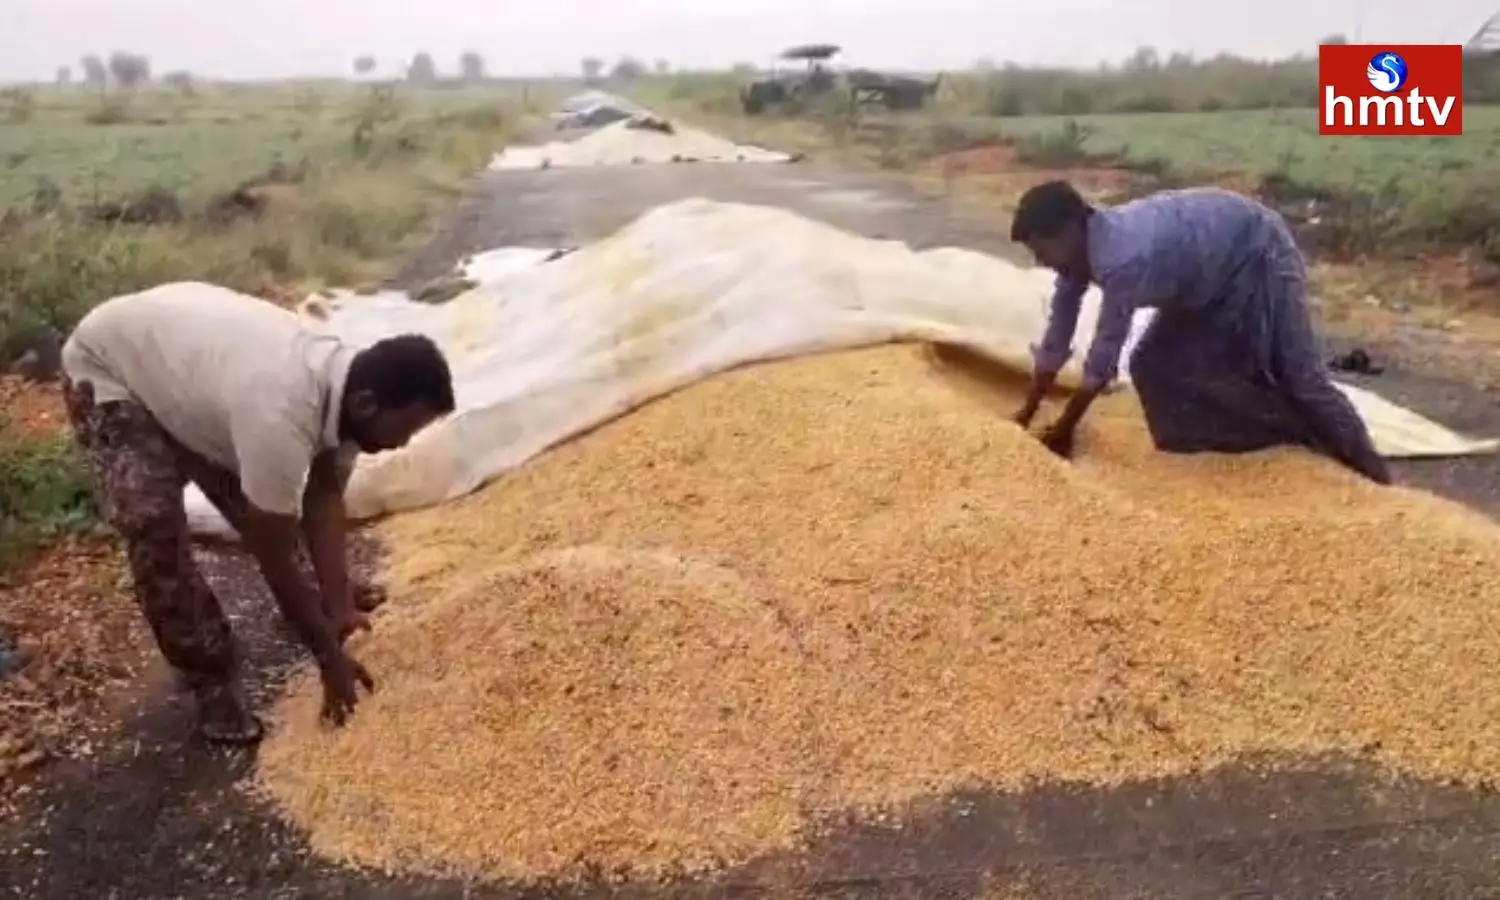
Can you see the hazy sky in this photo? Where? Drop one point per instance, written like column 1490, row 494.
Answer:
column 267, row 38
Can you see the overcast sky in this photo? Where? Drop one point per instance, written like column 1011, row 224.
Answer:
column 270, row 38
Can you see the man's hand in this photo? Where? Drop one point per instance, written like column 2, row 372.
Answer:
column 347, row 621
column 1041, row 383
column 342, row 676
column 346, row 615
column 1028, row 411
column 1058, row 437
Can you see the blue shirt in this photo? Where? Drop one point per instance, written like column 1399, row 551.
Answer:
column 1171, row 250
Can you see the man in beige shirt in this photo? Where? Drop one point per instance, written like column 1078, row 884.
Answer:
column 192, row 382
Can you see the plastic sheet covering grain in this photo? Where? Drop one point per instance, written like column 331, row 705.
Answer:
column 620, row 145
column 545, row 349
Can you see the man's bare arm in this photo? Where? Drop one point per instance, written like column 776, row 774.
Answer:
column 272, row 474
column 325, row 524
column 1056, row 345
column 273, row 539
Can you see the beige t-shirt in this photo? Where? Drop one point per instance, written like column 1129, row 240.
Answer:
column 235, row 379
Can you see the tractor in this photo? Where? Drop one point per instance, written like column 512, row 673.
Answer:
column 894, row 92
column 782, row 88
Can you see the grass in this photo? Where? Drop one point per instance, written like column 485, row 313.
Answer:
column 1285, row 142
column 271, row 190
column 263, row 190
column 190, row 150
column 1367, row 194
column 45, row 493
column 95, row 149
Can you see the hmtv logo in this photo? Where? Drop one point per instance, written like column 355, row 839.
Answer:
column 1410, row 89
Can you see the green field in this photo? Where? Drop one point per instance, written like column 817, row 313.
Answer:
column 101, row 193
column 1261, row 142
column 96, row 149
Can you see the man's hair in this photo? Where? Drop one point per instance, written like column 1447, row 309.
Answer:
column 1046, row 210
column 402, row 371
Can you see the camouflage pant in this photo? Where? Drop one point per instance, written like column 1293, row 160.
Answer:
column 140, row 472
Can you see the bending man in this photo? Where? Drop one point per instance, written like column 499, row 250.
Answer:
column 1231, row 362
column 191, row 382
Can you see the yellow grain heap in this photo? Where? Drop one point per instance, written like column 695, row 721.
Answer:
column 847, row 581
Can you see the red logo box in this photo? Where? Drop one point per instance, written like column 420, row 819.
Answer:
column 1401, row 89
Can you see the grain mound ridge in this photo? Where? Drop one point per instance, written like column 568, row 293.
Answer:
column 848, row 581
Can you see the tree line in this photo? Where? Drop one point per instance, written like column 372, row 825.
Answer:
column 127, row 70
column 422, row 68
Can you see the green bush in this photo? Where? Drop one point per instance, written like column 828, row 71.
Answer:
column 1060, row 147
column 45, row 492
column 1001, row 101
column 53, row 269
column 1224, row 83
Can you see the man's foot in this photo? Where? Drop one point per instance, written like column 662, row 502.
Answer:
column 368, row 597
column 225, row 718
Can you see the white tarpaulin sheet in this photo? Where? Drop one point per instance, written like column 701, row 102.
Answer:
column 545, row 349
column 619, row 144
column 594, row 108
column 590, row 98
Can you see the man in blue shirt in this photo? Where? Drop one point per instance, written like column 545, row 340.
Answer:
column 1231, row 362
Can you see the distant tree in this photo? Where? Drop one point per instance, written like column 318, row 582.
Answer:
column 95, row 72
column 593, row 68
column 743, row 68
column 422, row 69
column 182, row 81
column 662, row 67
column 129, row 70
column 1180, row 61
column 64, row 76
column 1334, row 39
column 471, row 64
column 1144, row 59
column 364, row 65
column 984, row 64
column 628, row 69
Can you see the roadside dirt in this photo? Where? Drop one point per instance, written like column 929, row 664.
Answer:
column 76, row 644
column 28, row 408
column 152, row 815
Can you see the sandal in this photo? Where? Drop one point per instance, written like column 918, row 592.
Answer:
column 223, row 718
column 247, row 734
column 368, row 597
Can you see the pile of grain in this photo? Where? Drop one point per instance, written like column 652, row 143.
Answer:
column 847, row 581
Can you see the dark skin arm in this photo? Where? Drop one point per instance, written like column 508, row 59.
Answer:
column 1041, row 384
column 1058, row 437
column 325, row 524
column 1109, row 337
column 273, row 541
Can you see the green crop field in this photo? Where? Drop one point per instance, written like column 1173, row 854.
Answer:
column 1260, row 142
column 205, row 149
column 97, row 149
